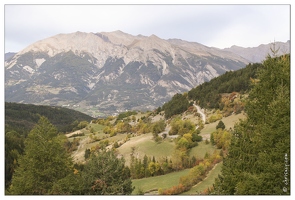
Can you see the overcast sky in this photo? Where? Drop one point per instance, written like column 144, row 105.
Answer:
column 212, row 25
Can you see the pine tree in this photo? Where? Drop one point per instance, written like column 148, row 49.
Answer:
column 45, row 161
column 220, row 125
column 259, row 155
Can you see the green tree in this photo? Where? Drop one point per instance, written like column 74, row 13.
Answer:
column 14, row 147
column 159, row 126
column 69, row 185
column 45, row 161
column 178, row 104
column 87, row 154
column 196, row 137
column 82, row 124
column 107, row 130
column 220, row 125
column 259, row 155
column 152, row 168
column 220, row 138
column 105, row 174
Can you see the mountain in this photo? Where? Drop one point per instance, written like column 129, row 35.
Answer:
column 110, row 72
column 8, row 55
column 258, row 54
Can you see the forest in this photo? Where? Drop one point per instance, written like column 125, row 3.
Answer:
column 22, row 117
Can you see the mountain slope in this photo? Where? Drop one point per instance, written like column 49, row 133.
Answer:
column 23, row 117
column 111, row 72
column 209, row 94
column 8, row 55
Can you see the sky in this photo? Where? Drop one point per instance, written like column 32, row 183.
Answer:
column 214, row 25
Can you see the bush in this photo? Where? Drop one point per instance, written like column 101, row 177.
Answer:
column 178, row 189
column 196, row 137
column 82, row 124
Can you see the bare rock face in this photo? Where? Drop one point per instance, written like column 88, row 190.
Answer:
column 111, row 72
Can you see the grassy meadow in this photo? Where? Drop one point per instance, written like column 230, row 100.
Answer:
column 154, row 183
column 145, row 145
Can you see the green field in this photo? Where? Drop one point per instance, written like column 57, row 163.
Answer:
column 229, row 122
column 207, row 182
column 200, row 150
column 145, row 145
column 164, row 182
column 96, row 127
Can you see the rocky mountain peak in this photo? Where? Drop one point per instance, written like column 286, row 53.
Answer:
column 111, row 71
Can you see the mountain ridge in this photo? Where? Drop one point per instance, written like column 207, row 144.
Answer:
column 259, row 53
column 111, row 71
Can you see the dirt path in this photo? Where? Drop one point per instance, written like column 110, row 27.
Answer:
column 78, row 153
column 73, row 133
column 203, row 116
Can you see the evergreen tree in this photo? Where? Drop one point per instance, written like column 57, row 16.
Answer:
column 14, row 147
column 259, row 155
column 105, row 174
column 220, row 125
column 45, row 161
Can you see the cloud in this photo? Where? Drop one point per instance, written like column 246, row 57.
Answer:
column 212, row 25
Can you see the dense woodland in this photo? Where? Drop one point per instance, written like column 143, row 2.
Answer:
column 208, row 94
column 23, row 117
column 255, row 154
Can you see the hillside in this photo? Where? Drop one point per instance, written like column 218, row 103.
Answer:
column 213, row 94
column 23, row 117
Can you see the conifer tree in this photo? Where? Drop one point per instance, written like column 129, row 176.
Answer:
column 258, row 161
column 45, row 161
column 105, row 174
column 220, row 125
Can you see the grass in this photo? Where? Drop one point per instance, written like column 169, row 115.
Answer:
column 79, row 154
column 145, row 145
column 229, row 122
column 163, row 149
column 97, row 131
column 207, row 182
column 165, row 181
column 200, row 150
column 96, row 127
